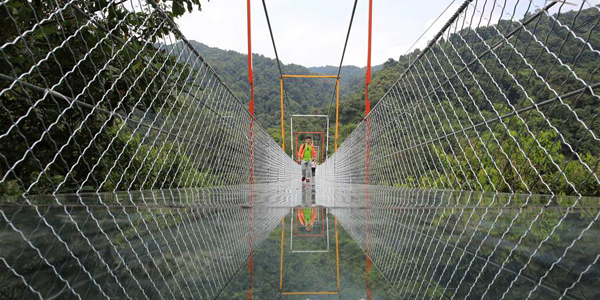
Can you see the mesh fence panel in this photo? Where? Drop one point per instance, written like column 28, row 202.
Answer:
column 503, row 106
column 128, row 169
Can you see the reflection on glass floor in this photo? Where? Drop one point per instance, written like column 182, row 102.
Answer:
column 195, row 243
column 162, row 244
column 308, row 272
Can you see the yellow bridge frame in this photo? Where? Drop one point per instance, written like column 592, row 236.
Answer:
column 337, row 103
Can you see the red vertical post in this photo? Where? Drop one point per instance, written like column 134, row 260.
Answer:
column 367, row 101
column 368, row 75
column 367, row 152
column 251, row 109
column 250, row 74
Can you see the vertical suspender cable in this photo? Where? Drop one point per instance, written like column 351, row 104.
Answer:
column 337, row 111
column 336, row 90
column 251, row 108
column 368, row 75
column 367, row 148
column 250, row 73
column 281, row 83
column 281, row 107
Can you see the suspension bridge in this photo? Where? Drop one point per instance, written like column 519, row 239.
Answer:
column 130, row 170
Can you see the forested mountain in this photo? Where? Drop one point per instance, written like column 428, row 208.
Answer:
column 130, row 75
column 573, row 54
column 555, row 92
column 352, row 107
column 304, row 95
column 313, row 96
column 351, row 76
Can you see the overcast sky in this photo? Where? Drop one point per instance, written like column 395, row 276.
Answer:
column 312, row 32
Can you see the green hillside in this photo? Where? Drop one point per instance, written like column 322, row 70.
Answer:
column 305, row 95
column 575, row 55
column 352, row 109
column 309, row 96
column 351, row 76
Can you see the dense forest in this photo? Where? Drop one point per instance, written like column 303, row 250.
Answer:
column 351, row 77
column 39, row 137
column 555, row 145
column 304, row 95
column 69, row 81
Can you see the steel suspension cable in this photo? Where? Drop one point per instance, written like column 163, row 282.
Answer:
column 469, row 151
column 429, row 27
column 283, row 91
column 128, row 174
column 342, row 58
column 276, row 56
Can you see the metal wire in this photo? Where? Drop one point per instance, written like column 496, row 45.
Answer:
column 125, row 169
column 287, row 100
column 493, row 113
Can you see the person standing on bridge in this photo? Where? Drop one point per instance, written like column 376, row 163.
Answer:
column 305, row 156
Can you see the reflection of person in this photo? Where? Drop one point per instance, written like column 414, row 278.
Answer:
column 314, row 167
column 307, row 216
column 306, row 154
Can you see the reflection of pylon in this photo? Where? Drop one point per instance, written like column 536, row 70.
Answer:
column 251, row 269
column 368, row 275
column 337, row 254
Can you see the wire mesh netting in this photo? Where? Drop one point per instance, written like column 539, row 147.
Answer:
column 128, row 169
column 112, row 98
column 126, row 163
column 503, row 103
